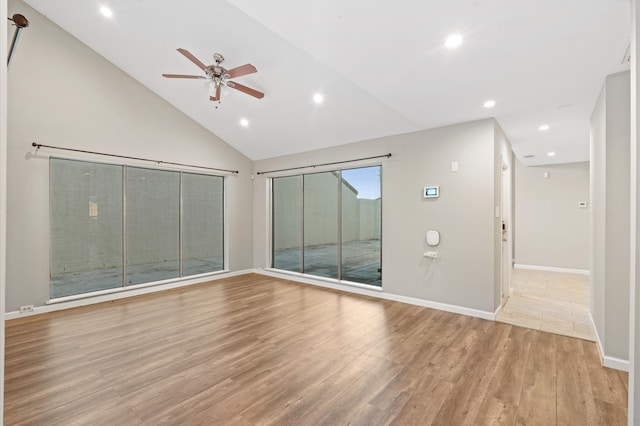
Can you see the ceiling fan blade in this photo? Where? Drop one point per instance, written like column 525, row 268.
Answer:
column 241, row 70
column 245, row 89
column 192, row 58
column 182, row 76
column 217, row 96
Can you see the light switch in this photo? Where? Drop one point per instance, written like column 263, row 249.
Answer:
column 454, row 166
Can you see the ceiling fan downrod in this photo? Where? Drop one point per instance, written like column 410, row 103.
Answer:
column 20, row 22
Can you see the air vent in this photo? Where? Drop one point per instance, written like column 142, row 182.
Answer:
column 529, row 156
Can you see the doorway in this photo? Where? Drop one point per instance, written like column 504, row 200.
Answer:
column 506, row 244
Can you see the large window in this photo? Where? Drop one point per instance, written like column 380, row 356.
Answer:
column 86, row 227
column 153, row 225
column 114, row 226
column 329, row 224
column 202, row 234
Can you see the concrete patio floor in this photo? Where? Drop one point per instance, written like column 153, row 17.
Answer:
column 361, row 264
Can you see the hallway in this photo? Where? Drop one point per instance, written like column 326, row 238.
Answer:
column 549, row 301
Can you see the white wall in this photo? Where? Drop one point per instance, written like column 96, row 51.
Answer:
column 634, row 323
column 464, row 214
column 610, row 220
column 551, row 230
column 3, row 194
column 62, row 93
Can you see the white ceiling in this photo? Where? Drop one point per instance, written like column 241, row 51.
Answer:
column 381, row 66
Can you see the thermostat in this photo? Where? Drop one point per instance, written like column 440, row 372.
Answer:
column 431, row 191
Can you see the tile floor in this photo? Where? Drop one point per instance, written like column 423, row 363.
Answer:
column 549, row 301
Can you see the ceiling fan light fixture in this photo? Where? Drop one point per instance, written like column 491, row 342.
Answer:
column 218, row 76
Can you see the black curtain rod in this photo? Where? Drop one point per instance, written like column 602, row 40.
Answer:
column 325, row 164
column 38, row 146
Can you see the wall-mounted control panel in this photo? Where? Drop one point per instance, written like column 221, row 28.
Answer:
column 431, row 191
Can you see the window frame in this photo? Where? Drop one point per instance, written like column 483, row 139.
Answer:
column 123, row 166
column 302, row 273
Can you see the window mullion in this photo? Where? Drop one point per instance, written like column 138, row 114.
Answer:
column 339, row 224
column 180, row 253
column 124, row 226
column 302, row 224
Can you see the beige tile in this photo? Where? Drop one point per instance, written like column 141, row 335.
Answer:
column 526, row 316
column 557, row 315
column 549, row 301
column 520, row 323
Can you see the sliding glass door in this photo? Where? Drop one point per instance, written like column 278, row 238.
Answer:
column 362, row 225
column 202, row 223
column 286, row 240
column 86, row 227
column 153, row 224
column 340, row 231
column 115, row 226
column 321, row 224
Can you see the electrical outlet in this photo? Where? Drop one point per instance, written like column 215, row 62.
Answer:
column 26, row 308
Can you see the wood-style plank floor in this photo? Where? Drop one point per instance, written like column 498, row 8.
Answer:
column 255, row 350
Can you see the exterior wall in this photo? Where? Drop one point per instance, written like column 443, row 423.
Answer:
column 552, row 231
column 321, row 204
column 350, row 213
column 68, row 252
column 95, row 107
column 370, row 219
column 358, row 215
column 464, row 214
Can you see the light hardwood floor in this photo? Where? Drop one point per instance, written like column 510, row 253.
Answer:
column 257, row 350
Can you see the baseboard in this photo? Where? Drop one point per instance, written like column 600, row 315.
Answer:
column 608, row 361
column 381, row 294
column 552, row 269
column 616, row 363
column 92, row 300
column 497, row 312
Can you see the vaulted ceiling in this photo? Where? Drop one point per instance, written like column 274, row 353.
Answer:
column 382, row 67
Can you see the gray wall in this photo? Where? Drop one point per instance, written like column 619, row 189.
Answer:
column 551, row 230
column 610, row 220
column 464, row 214
column 82, row 101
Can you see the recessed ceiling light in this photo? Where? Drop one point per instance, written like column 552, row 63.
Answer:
column 490, row 103
column 543, row 128
column 244, row 122
column 106, row 11
column 318, row 98
column 453, row 41
column 551, row 154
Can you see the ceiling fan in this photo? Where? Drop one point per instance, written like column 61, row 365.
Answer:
column 219, row 76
